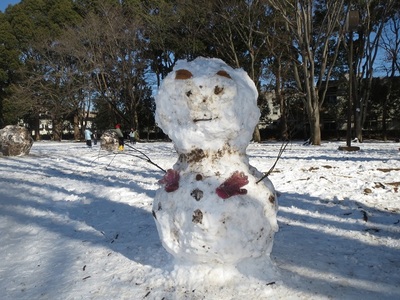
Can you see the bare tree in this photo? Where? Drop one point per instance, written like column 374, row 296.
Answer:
column 374, row 15
column 391, row 45
column 109, row 48
column 238, row 37
column 279, row 68
column 316, row 31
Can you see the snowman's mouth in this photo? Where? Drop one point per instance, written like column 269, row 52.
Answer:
column 202, row 120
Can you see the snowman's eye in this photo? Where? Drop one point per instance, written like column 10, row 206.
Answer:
column 218, row 90
column 224, row 74
column 183, row 74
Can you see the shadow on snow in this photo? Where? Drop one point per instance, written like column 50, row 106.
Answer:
column 337, row 243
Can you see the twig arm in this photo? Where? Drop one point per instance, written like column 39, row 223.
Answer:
column 281, row 150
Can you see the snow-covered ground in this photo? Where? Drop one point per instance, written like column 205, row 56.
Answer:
column 76, row 223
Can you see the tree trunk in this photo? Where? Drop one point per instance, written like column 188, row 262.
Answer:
column 358, row 110
column 384, row 118
column 283, row 122
column 136, row 120
column 36, row 125
column 57, row 130
column 256, row 135
column 312, row 105
column 386, row 101
column 283, row 126
column 315, row 128
column 358, row 124
column 77, row 132
column 313, row 112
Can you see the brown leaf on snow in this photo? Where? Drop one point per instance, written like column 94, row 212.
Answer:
column 379, row 185
column 367, row 191
column 395, row 186
column 387, row 170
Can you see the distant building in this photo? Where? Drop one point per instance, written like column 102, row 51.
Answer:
column 45, row 126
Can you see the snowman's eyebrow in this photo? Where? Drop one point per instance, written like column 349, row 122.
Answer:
column 224, row 74
column 183, row 74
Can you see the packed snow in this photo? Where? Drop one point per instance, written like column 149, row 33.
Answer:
column 76, row 223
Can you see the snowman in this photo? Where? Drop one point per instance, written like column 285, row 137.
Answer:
column 210, row 208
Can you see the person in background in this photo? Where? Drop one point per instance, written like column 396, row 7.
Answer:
column 88, row 137
column 120, row 137
column 132, row 136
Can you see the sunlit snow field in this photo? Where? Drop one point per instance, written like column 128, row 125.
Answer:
column 76, row 223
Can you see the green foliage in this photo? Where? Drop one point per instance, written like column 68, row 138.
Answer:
column 9, row 60
column 9, row 63
column 104, row 119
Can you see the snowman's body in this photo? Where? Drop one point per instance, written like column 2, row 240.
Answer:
column 211, row 208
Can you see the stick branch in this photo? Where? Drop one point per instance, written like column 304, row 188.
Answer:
column 281, row 150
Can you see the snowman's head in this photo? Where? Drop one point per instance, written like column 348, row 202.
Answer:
column 205, row 104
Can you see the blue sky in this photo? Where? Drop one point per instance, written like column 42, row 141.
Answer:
column 5, row 3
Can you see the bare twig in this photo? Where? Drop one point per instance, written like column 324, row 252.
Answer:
column 281, row 150
column 111, row 160
column 145, row 158
column 101, row 156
